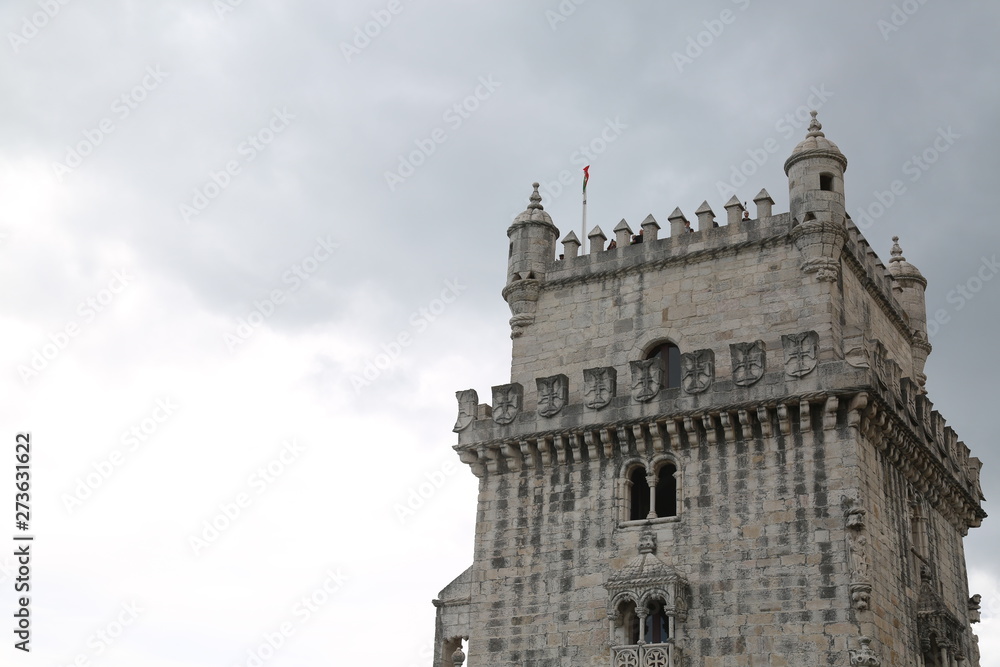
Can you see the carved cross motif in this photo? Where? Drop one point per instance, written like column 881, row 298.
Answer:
column 800, row 352
column 697, row 370
column 879, row 362
column 507, row 401
column 553, row 393
column 748, row 362
column 599, row 386
column 647, row 378
column 468, row 399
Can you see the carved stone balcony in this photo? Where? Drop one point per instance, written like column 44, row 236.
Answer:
column 645, row 655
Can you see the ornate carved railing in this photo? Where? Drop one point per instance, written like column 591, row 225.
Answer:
column 645, row 655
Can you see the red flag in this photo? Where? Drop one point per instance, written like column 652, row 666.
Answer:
column 586, row 177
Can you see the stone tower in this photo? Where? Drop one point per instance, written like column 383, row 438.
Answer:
column 715, row 449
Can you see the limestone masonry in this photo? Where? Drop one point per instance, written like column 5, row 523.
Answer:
column 715, row 449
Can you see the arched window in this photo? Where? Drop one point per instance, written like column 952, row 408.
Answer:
column 649, row 496
column 639, row 496
column 657, row 630
column 666, row 490
column 671, row 356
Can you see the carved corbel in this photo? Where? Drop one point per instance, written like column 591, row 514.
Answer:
column 784, row 423
column 764, row 417
column 708, row 421
column 805, row 417
column 830, row 413
column 727, row 426
column 512, row 454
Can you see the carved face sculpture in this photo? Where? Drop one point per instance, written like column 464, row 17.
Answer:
column 748, row 362
column 599, row 387
column 647, row 542
column 697, row 370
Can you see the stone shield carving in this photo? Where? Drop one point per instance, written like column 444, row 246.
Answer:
column 599, row 386
column 553, row 393
column 749, row 362
column 507, row 402
column 697, row 370
column 468, row 399
column 647, row 378
column 801, row 353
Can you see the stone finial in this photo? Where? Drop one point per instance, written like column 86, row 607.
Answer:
column 623, row 234
column 458, row 657
column 764, row 203
column 597, row 239
column 815, row 127
column 571, row 245
column 706, row 217
column 902, row 270
column 677, row 220
column 649, row 228
column 734, row 210
column 536, row 198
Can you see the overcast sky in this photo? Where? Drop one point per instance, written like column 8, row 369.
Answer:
column 250, row 250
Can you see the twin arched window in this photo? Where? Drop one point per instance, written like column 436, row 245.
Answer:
column 651, row 495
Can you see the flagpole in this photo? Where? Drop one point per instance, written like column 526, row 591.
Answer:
column 583, row 223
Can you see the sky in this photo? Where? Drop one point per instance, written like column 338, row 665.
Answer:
column 250, row 250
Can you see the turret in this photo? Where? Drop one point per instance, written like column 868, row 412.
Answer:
column 532, row 242
column 815, row 172
column 532, row 250
column 912, row 285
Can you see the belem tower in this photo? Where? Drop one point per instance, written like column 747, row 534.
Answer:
column 715, row 449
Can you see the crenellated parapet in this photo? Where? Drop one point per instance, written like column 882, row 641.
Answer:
column 794, row 394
